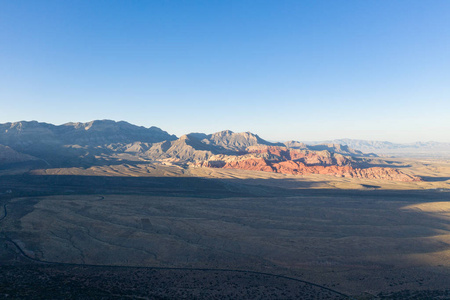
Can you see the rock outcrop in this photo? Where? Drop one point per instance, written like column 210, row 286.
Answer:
column 302, row 162
column 236, row 141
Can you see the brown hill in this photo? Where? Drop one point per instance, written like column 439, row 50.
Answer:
column 9, row 156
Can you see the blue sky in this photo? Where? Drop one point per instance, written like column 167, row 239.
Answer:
column 303, row 70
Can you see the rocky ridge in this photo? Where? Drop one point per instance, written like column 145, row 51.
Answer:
column 106, row 142
column 79, row 143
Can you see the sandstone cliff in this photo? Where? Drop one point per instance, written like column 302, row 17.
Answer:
column 302, row 162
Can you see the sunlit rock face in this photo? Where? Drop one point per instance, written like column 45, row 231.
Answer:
column 299, row 168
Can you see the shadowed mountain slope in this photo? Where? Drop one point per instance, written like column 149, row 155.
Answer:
column 99, row 132
column 69, row 143
column 9, row 156
column 109, row 132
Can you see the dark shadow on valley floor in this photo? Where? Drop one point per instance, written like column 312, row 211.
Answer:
column 434, row 179
column 261, row 223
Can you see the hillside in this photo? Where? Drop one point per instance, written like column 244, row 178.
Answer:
column 77, row 143
column 10, row 156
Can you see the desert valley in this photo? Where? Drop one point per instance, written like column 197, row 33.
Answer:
column 108, row 209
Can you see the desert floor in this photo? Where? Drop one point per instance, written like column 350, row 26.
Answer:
column 362, row 238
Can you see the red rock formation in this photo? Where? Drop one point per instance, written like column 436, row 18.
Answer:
column 305, row 156
column 281, row 152
column 299, row 168
column 255, row 164
column 301, row 162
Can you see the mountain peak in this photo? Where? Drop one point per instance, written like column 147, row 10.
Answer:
column 99, row 124
column 235, row 141
column 223, row 133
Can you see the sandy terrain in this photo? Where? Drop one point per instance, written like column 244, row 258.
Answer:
column 357, row 237
column 356, row 244
column 435, row 175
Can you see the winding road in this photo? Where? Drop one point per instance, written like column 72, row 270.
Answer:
column 25, row 255
column 5, row 212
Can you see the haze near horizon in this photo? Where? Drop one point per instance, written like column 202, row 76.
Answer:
column 287, row 71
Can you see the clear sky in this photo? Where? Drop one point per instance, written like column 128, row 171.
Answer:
column 303, row 70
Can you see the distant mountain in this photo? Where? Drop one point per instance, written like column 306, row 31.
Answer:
column 429, row 149
column 332, row 147
column 295, row 145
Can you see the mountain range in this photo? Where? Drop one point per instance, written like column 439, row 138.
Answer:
column 108, row 142
column 417, row 149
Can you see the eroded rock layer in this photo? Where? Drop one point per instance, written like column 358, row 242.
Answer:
column 303, row 162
